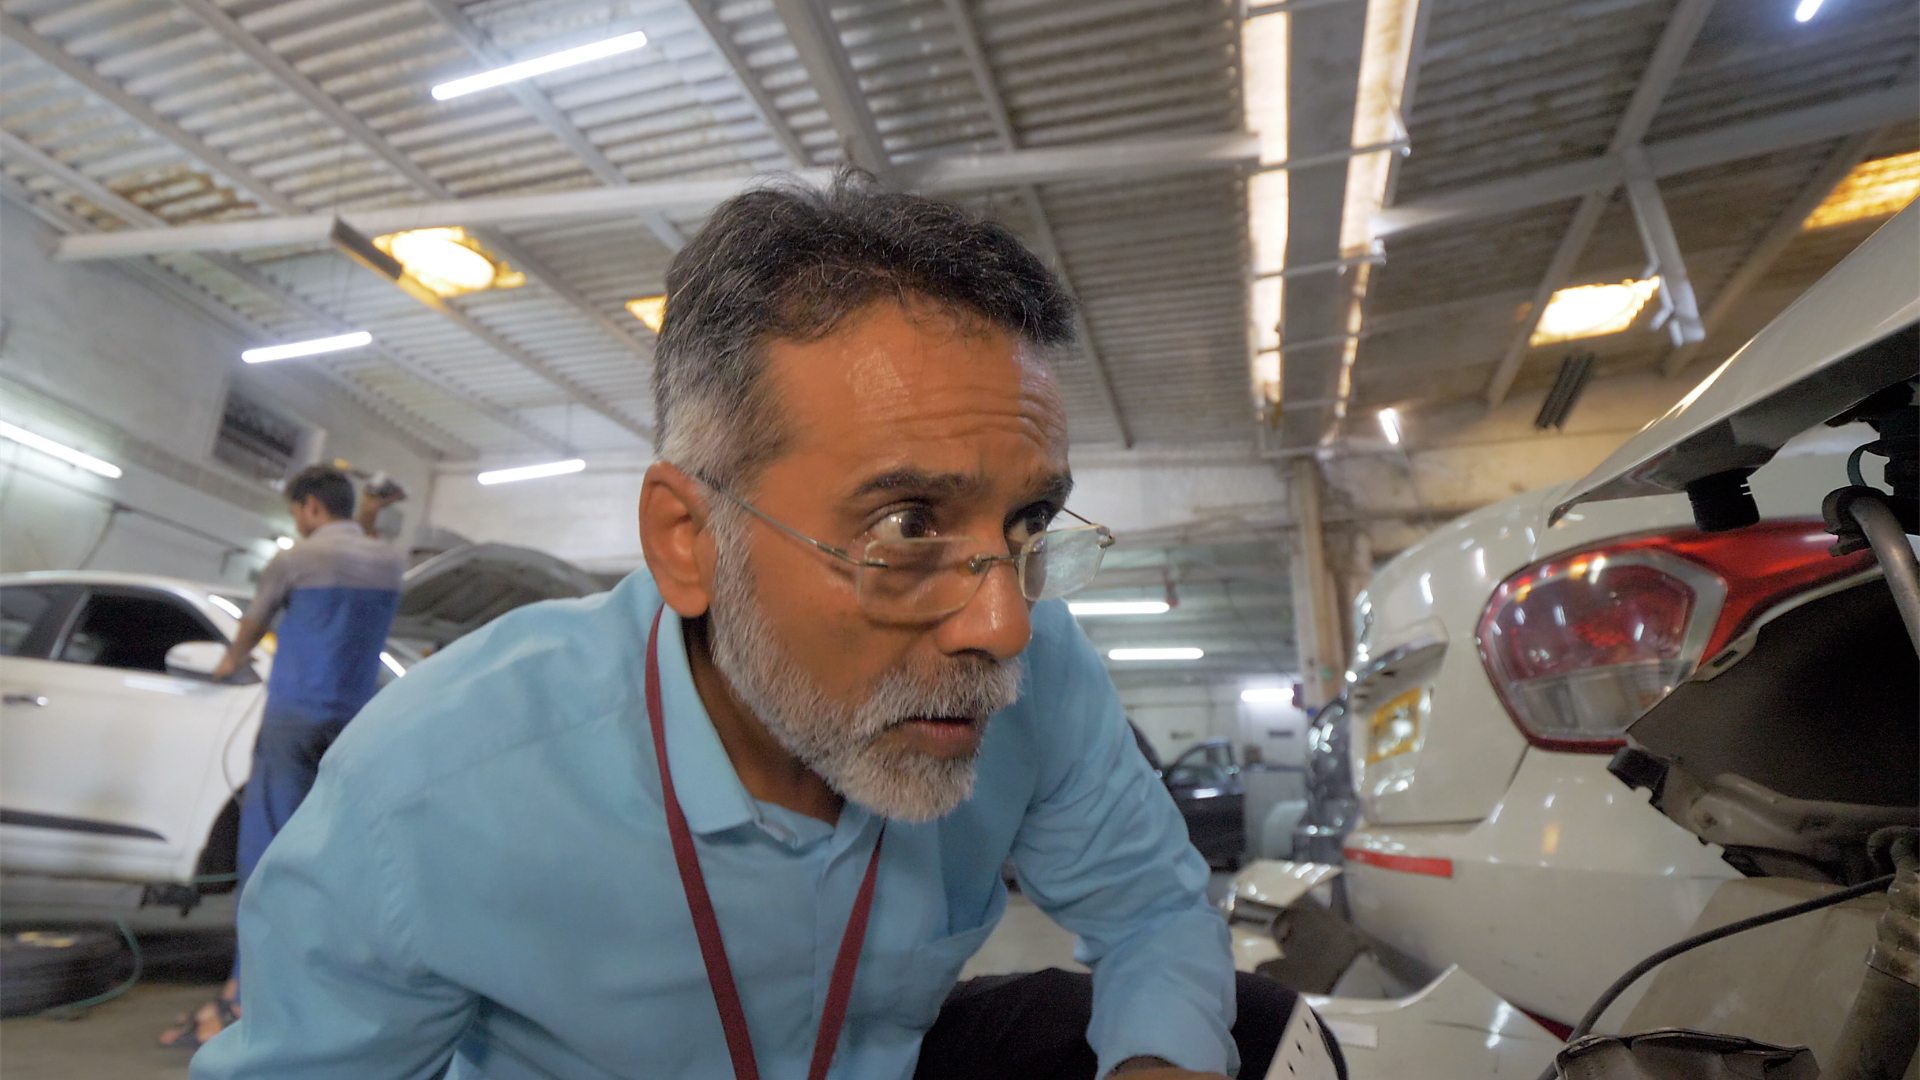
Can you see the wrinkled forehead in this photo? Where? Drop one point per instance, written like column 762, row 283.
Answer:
column 917, row 374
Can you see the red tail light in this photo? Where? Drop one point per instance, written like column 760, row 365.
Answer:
column 1581, row 645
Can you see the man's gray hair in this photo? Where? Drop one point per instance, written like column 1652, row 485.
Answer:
column 791, row 262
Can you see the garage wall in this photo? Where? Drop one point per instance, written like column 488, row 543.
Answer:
column 98, row 360
column 589, row 517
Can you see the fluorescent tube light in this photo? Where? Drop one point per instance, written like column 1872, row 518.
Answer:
column 1267, row 695
column 392, row 664
column 1156, row 654
column 57, row 450
column 1390, row 425
column 527, row 69
column 532, row 472
column 1119, row 607
column 307, row 348
column 1807, row 10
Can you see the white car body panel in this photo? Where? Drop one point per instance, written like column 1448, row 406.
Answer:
column 165, row 754
column 1569, row 881
column 1789, row 377
column 1453, row 1028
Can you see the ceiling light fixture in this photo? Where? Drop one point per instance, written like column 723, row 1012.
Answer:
column 1390, row 425
column 313, row 347
column 59, row 450
column 1119, row 607
column 1807, row 10
column 1585, row 311
column 1879, row 188
column 448, row 262
column 283, row 542
column 527, row 69
column 1155, row 654
column 651, row 310
column 533, row 472
column 1267, row 695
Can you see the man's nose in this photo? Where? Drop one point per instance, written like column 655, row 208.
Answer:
column 996, row 621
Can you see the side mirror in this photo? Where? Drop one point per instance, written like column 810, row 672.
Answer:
column 198, row 659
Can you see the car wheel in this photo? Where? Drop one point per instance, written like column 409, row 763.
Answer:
column 40, row 969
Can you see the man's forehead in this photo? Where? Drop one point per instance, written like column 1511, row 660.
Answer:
column 894, row 372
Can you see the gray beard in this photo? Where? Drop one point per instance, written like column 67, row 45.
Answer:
column 840, row 742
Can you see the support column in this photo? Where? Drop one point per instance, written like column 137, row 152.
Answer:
column 1316, row 608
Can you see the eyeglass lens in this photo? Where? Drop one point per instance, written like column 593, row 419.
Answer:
column 931, row 578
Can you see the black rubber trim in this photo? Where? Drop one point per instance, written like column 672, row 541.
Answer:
column 67, row 824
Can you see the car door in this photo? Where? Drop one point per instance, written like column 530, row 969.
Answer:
column 106, row 758
column 1206, row 786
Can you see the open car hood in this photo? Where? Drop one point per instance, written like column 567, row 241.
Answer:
column 459, row 591
column 1850, row 335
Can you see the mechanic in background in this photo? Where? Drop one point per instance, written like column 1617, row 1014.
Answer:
column 340, row 587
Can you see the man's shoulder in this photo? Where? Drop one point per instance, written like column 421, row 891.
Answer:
column 538, row 673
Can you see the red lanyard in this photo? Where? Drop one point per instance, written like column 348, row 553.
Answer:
column 707, row 926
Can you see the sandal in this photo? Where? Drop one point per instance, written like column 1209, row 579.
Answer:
column 185, row 1032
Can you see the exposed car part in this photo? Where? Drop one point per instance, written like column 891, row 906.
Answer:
column 461, row 590
column 1787, row 765
column 1864, row 517
column 1678, row 1054
column 1581, row 645
column 1332, row 806
column 1615, row 1058
column 1883, row 1026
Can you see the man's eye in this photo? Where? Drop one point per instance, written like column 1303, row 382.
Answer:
column 1030, row 523
column 909, row 523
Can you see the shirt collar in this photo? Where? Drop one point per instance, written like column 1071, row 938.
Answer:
column 710, row 791
column 334, row 527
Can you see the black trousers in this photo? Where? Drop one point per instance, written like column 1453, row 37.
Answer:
column 1034, row 1027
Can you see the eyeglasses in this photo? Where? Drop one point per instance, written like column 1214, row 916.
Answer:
column 927, row 579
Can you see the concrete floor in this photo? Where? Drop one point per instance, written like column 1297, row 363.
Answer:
column 115, row 1041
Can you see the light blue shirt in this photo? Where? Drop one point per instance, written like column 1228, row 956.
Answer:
column 482, row 878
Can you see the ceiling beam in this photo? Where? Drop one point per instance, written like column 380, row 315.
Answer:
column 209, row 158
column 229, row 30
column 722, row 41
column 1773, row 243
column 968, row 173
column 543, row 109
column 112, row 202
column 1045, row 240
column 816, row 39
column 397, row 416
column 1663, row 67
column 1681, row 309
column 1735, row 142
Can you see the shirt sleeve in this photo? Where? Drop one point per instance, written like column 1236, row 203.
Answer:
column 276, row 581
column 329, row 989
column 1104, row 851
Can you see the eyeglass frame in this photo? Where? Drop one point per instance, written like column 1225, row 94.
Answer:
column 977, row 565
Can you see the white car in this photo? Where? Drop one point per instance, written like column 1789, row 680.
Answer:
column 121, row 761
column 1492, row 684
column 1582, row 720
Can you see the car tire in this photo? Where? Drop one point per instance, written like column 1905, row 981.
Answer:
column 40, row 969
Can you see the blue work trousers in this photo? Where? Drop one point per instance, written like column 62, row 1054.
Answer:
column 286, row 758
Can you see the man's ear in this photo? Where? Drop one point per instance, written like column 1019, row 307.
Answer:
column 674, row 538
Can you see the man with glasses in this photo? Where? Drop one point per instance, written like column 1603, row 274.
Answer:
column 746, row 814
